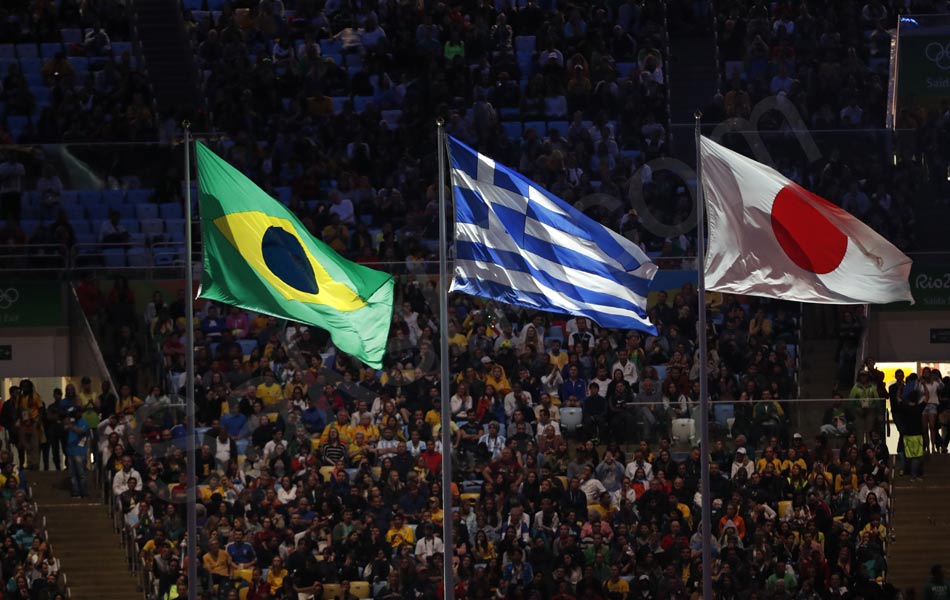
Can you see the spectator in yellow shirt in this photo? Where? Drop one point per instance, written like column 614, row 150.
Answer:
column 399, row 533
column 269, row 392
column 217, row 562
column 342, row 426
column 616, row 587
column 768, row 458
column 276, row 574
column 434, row 415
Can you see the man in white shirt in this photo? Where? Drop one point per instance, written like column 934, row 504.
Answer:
column 428, row 545
column 113, row 231
column 342, row 207
column 638, row 462
column 742, row 461
column 515, row 398
column 591, row 486
column 120, row 482
column 627, row 367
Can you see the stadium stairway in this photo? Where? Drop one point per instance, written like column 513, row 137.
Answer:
column 168, row 56
column 84, row 541
column 920, row 526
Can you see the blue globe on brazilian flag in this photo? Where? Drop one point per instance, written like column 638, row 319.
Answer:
column 259, row 256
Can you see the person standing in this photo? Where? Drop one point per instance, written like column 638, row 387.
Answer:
column 931, row 383
column 77, row 447
column 910, row 414
column 937, row 588
column 29, row 425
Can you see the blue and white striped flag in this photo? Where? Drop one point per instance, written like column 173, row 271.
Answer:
column 519, row 244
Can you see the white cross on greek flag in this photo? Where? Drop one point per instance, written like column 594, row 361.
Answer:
column 519, row 244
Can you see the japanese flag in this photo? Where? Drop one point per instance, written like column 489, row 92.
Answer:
column 770, row 237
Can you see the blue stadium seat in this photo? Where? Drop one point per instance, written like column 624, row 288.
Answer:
column 16, row 124
column 216, row 4
column 560, row 126
column 137, row 257
column 80, row 65
column 192, row 5
column 512, row 129
column 7, row 51
column 170, row 210
column 153, row 227
column 125, row 211
column 625, row 69
column 360, row 102
column 131, row 224
column 5, row 64
column 114, row 257
column 113, row 196
column 27, row 50
column 49, row 49
column 247, row 346
column 338, row 103
column 75, row 212
column 660, row 372
column 31, row 66
column 331, row 47
column 88, row 197
column 86, row 238
column 29, row 226
column 81, row 225
column 141, row 195
column 119, row 47
column 284, row 194
column 525, row 44
column 723, row 411
column 175, row 227
column 97, row 212
column 539, row 127
column 71, row 35
column 146, row 210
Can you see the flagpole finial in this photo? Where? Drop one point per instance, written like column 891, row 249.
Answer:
column 186, row 124
column 698, row 115
column 440, row 122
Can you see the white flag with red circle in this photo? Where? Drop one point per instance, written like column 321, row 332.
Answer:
column 770, row 237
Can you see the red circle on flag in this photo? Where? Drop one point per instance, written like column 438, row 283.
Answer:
column 808, row 238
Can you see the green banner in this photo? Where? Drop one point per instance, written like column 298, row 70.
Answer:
column 923, row 75
column 930, row 287
column 31, row 304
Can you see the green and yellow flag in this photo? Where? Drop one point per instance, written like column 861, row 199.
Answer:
column 258, row 255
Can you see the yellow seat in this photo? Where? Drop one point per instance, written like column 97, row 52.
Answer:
column 242, row 593
column 361, row 589
column 783, row 507
column 377, row 473
column 326, row 473
column 563, row 480
column 473, row 496
column 245, row 574
column 332, row 591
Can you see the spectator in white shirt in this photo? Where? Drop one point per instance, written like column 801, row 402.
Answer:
column 638, row 462
column 113, row 231
column 627, row 367
column 428, row 545
column 342, row 207
column 120, row 482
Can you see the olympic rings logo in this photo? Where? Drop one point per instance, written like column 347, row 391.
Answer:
column 8, row 298
column 938, row 54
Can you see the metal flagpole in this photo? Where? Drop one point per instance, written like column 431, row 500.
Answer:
column 448, row 578
column 192, row 531
column 704, row 446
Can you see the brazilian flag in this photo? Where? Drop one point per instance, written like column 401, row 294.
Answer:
column 257, row 255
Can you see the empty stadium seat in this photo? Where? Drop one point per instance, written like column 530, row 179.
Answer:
column 50, row 49
column 512, row 129
column 153, row 227
column 71, row 35
column 571, row 417
column 27, row 50
column 114, row 257
column 146, row 211
column 170, row 210
column 560, row 126
column 118, row 48
column 137, row 257
column 525, row 44
column 7, row 51
column 97, row 212
column 141, row 195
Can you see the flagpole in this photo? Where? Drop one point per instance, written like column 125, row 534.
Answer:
column 192, row 494
column 704, row 446
column 448, row 578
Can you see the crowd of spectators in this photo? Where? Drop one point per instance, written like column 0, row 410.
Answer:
column 70, row 75
column 573, row 477
column 28, row 568
column 827, row 63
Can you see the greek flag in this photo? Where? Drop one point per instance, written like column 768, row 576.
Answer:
column 519, row 244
